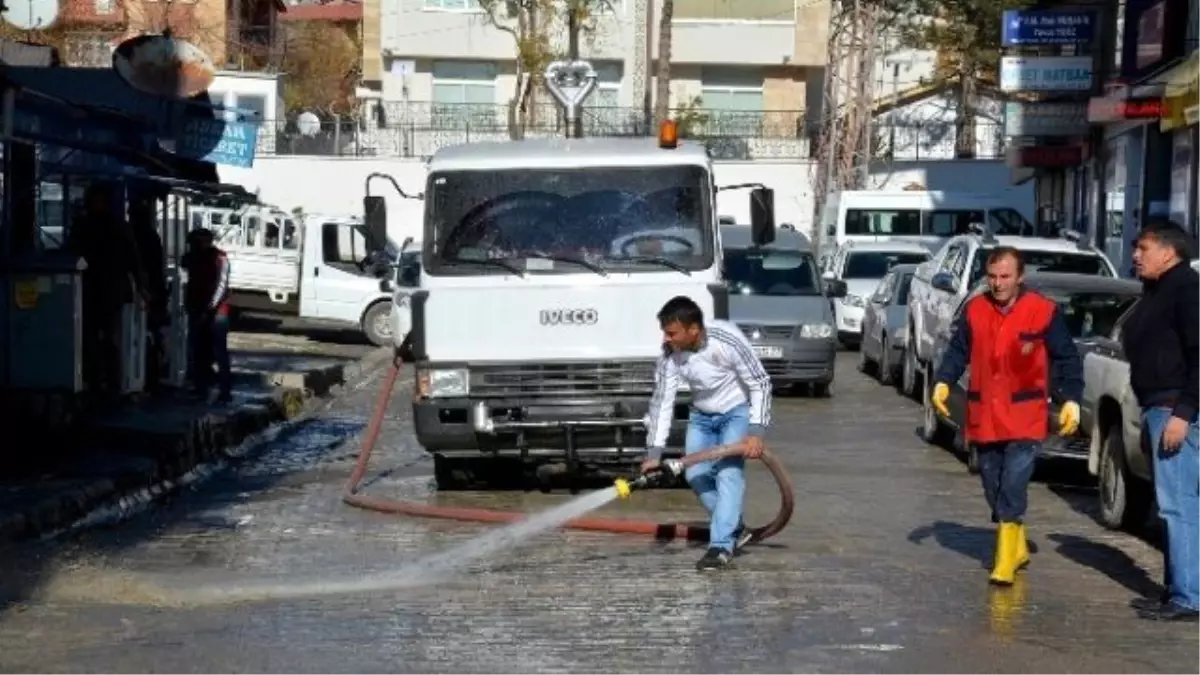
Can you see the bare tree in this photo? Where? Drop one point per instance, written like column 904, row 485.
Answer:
column 662, row 71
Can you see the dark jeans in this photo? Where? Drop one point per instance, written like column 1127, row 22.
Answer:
column 1006, row 469
column 209, row 337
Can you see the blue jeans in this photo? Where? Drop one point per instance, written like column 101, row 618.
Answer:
column 1005, row 469
column 1177, row 490
column 720, row 485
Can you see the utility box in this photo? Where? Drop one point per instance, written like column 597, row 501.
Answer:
column 45, row 309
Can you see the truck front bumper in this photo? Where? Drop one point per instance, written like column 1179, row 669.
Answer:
column 603, row 429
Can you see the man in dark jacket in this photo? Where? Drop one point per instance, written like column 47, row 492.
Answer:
column 206, row 299
column 1160, row 341
column 1019, row 350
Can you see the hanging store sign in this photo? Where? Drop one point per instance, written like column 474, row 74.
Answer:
column 1045, row 73
column 1052, row 27
column 1045, row 119
column 218, row 141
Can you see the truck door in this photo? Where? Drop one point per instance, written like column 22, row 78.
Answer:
column 341, row 281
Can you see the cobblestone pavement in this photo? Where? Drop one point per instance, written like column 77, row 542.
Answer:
column 882, row 570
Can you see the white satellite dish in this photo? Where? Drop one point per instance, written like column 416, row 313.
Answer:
column 308, row 124
column 31, row 14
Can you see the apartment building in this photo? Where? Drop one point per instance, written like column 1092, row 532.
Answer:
column 743, row 68
column 236, row 34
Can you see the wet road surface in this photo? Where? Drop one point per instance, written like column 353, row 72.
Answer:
column 882, row 570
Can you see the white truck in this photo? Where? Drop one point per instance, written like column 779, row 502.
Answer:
column 322, row 269
column 543, row 265
column 939, row 286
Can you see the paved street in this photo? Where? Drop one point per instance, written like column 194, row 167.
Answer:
column 881, row 570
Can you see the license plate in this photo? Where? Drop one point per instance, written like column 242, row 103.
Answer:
column 768, row 352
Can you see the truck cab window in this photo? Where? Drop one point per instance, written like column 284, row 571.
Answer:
column 343, row 247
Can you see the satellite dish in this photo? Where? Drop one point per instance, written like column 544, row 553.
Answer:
column 163, row 66
column 30, row 14
column 308, row 123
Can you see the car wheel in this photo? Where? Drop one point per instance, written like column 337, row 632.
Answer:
column 908, row 376
column 933, row 431
column 1125, row 501
column 972, row 459
column 886, row 372
column 377, row 324
column 864, row 362
column 820, row 389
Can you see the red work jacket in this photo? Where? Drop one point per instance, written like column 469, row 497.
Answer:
column 208, row 281
column 1010, row 371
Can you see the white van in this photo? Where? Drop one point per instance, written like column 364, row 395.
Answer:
column 320, row 269
column 929, row 217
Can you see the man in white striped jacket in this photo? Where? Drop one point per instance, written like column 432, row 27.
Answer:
column 731, row 402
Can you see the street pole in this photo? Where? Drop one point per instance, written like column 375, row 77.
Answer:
column 574, row 127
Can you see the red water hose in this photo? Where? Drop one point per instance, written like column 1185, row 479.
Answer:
column 663, row 531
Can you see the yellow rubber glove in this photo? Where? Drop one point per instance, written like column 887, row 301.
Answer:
column 941, row 392
column 1068, row 419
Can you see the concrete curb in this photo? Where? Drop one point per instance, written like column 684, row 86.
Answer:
column 139, row 465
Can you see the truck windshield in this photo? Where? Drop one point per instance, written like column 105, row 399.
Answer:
column 771, row 272
column 540, row 220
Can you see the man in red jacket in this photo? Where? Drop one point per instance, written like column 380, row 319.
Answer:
column 1008, row 337
column 206, row 299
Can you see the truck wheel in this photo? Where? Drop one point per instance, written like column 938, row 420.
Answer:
column 972, row 459
column 819, row 389
column 452, row 473
column 377, row 324
column 1125, row 501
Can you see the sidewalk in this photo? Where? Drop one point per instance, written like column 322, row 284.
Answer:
column 140, row 450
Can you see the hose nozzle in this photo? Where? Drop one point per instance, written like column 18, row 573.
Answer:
column 626, row 487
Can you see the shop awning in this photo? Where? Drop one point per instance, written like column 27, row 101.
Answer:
column 1181, row 99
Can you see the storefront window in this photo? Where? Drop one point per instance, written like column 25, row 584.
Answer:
column 1182, row 163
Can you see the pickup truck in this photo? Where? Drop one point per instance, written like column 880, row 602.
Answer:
column 940, row 285
column 1092, row 308
column 323, row 269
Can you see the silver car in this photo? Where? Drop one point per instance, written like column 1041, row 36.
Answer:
column 884, row 325
column 777, row 298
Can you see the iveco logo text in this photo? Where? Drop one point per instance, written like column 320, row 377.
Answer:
column 569, row 317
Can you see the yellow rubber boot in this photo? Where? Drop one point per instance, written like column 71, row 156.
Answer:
column 1022, row 556
column 1005, row 567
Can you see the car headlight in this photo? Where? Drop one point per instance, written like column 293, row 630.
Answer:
column 443, row 383
column 816, row 330
column 856, row 301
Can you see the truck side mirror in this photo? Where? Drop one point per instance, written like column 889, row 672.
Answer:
column 762, row 216
column 375, row 218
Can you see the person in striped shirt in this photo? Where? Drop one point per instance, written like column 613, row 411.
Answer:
column 731, row 403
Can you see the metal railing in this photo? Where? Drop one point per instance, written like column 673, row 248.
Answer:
column 420, row 129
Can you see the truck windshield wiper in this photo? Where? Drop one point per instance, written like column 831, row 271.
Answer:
column 494, row 262
column 656, row 260
column 565, row 258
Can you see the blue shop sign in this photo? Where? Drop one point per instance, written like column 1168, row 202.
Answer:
column 218, row 141
column 1047, row 27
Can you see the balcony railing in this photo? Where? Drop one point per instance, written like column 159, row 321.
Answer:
column 420, row 129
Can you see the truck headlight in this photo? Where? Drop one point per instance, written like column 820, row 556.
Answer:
column 816, row 330
column 855, row 301
column 443, row 383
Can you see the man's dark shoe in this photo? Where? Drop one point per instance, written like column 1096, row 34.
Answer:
column 1169, row 612
column 741, row 537
column 1146, row 604
column 715, row 559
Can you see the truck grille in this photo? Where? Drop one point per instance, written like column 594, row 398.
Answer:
column 563, row 379
column 767, row 332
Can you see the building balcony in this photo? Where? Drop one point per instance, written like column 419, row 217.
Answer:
column 738, row 32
